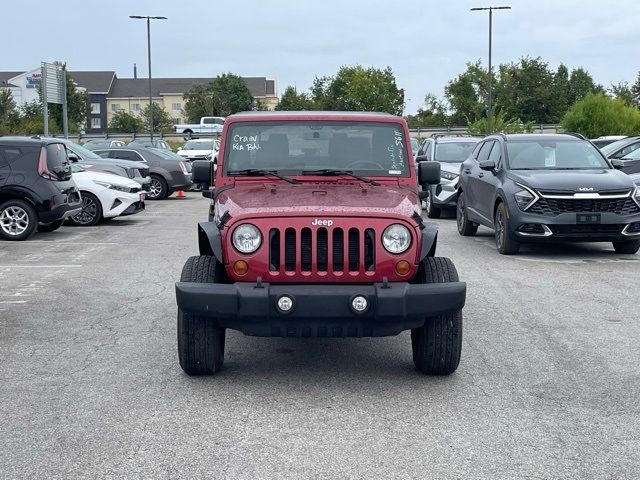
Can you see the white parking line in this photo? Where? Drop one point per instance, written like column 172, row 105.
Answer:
column 13, row 301
column 40, row 266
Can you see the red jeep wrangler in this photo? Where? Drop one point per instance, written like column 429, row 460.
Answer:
column 315, row 230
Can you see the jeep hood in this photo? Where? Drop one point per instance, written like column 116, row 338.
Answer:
column 601, row 180
column 256, row 200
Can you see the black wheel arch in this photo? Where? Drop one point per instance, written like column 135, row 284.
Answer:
column 210, row 240
column 429, row 241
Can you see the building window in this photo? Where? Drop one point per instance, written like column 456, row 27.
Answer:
column 96, row 123
column 115, row 107
column 176, row 107
column 95, row 108
column 177, row 120
column 135, row 107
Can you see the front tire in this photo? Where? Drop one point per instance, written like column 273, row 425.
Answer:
column 505, row 244
column 18, row 220
column 91, row 212
column 50, row 227
column 629, row 247
column 432, row 211
column 466, row 228
column 200, row 339
column 437, row 345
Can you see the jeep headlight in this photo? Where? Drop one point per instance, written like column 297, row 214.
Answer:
column 396, row 238
column 525, row 197
column 246, row 238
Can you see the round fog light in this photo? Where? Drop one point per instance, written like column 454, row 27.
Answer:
column 359, row 303
column 285, row 303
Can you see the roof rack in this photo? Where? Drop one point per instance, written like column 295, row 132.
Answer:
column 574, row 134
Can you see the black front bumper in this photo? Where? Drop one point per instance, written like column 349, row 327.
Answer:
column 320, row 310
column 134, row 208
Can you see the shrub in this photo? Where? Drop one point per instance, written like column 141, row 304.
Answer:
column 597, row 114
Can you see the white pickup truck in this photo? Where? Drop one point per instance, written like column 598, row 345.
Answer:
column 206, row 125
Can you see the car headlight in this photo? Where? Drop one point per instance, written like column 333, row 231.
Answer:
column 396, row 238
column 119, row 188
column 448, row 175
column 636, row 195
column 525, row 197
column 246, row 238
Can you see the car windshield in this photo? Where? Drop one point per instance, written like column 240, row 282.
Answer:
column 166, row 154
column 198, row 145
column 610, row 149
column 554, row 155
column 454, row 152
column 635, row 155
column 368, row 148
column 79, row 150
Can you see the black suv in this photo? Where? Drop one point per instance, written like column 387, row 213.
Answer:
column 36, row 188
column 541, row 188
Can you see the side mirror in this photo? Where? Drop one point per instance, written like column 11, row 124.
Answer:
column 421, row 158
column 73, row 157
column 201, row 172
column 429, row 173
column 617, row 163
column 208, row 193
column 487, row 165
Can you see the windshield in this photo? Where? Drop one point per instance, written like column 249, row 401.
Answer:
column 554, row 155
column 198, row 145
column 166, row 154
column 608, row 150
column 82, row 152
column 454, row 152
column 369, row 148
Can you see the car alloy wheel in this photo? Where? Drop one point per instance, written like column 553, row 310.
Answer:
column 88, row 213
column 500, row 229
column 155, row 189
column 14, row 220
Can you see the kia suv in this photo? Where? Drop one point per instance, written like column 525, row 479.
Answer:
column 547, row 188
column 36, row 187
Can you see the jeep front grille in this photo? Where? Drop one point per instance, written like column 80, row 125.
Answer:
column 322, row 249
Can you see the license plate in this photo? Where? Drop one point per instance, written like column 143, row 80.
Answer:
column 588, row 218
column 142, row 197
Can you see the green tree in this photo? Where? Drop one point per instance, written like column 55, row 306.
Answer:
column 635, row 91
column 9, row 116
column 223, row 96
column 292, row 100
column 467, row 94
column 580, row 84
column 622, row 91
column 433, row 114
column 359, row 89
column 162, row 121
column 31, row 120
column 500, row 123
column 597, row 114
column 124, row 122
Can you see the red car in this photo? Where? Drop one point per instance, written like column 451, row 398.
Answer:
column 315, row 230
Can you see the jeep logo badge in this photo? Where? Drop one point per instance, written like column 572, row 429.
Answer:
column 585, row 189
column 322, row 223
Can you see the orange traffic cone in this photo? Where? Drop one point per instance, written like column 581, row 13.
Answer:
column 181, row 194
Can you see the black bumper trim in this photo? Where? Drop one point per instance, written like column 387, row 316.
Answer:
column 320, row 310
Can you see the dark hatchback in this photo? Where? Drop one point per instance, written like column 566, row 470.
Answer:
column 36, row 187
column 547, row 188
column 168, row 175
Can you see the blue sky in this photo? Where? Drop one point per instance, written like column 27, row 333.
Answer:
column 425, row 42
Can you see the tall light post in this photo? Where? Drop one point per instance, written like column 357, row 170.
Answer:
column 490, row 93
column 148, row 19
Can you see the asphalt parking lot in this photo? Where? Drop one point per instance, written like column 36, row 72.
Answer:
column 90, row 384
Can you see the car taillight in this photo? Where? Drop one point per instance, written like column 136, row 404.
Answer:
column 183, row 167
column 43, row 169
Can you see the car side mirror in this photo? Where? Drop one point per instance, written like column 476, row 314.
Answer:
column 73, row 157
column 208, row 193
column 429, row 173
column 421, row 158
column 201, row 172
column 617, row 163
column 487, row 165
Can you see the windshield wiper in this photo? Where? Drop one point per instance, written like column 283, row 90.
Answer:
column 257, row 171
column 331, row 171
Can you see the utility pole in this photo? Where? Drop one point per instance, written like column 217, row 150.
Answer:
column 490, row 87
column 148, row 19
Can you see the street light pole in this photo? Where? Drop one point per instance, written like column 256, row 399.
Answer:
column 490, row 92
column 148, row 19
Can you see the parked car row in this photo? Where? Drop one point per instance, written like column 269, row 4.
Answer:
column 539, row 188
column 47, row 181
column 106, row 143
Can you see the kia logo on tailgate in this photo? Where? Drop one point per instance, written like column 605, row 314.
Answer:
column 322, row 223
